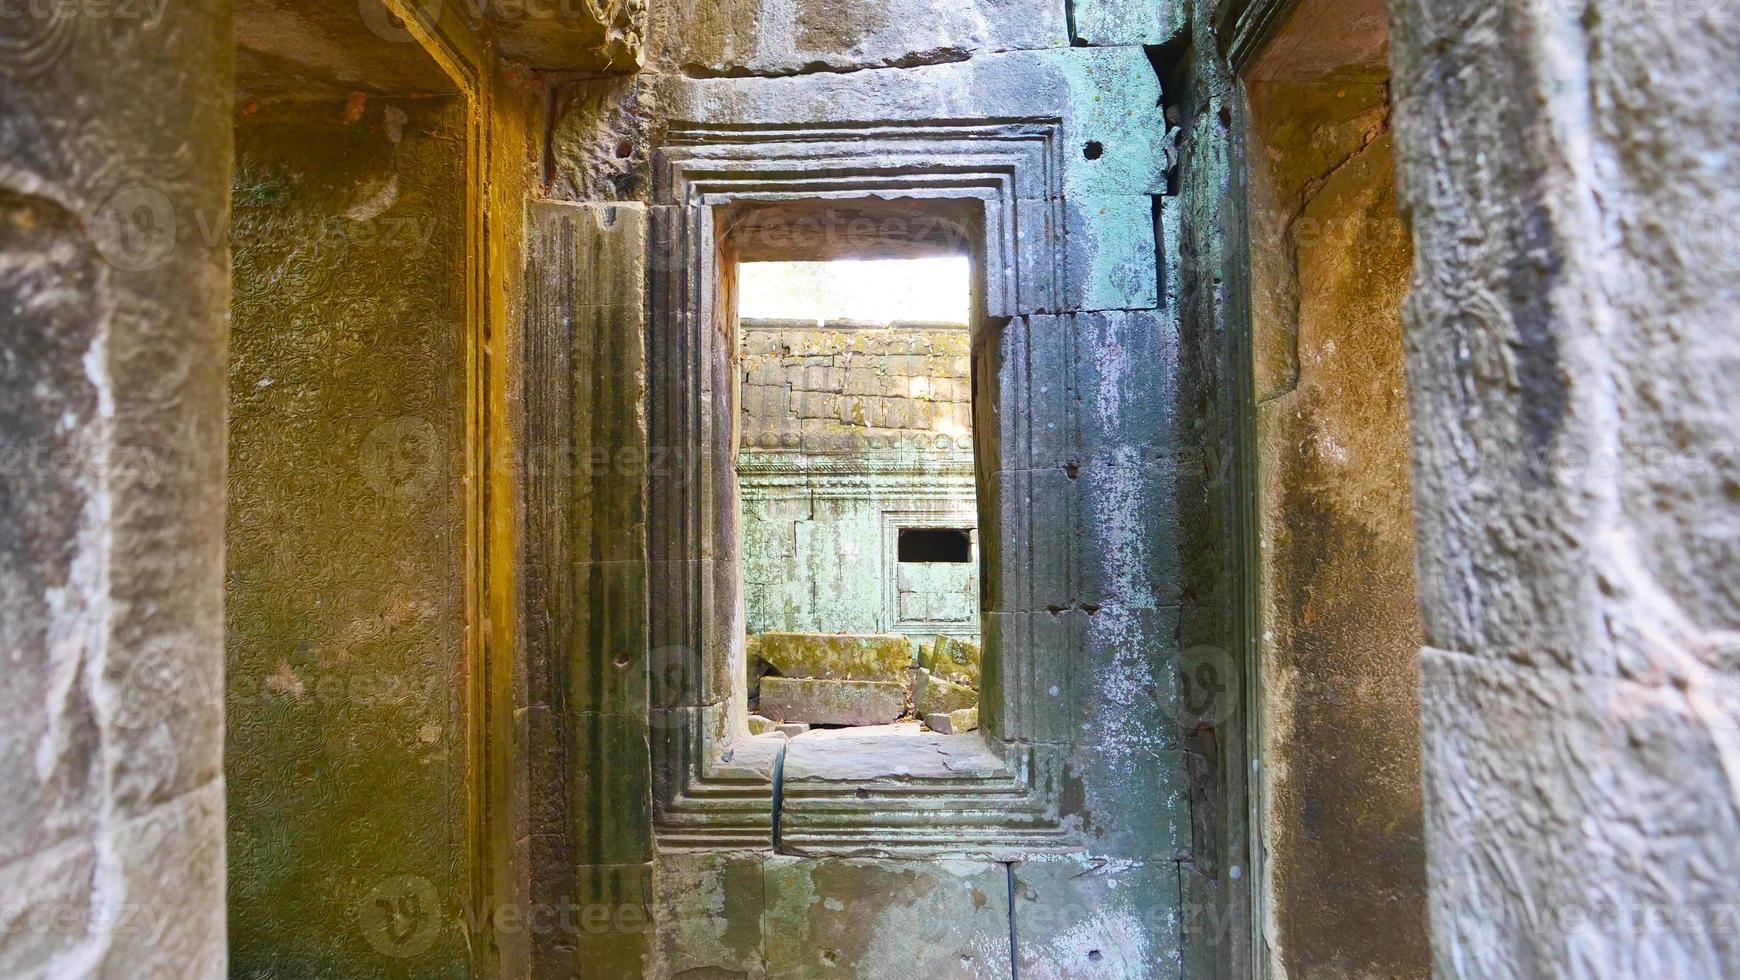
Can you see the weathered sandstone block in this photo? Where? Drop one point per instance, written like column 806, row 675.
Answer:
column 832, row 702
column 932, row 695
column 952, row 660
column 866, row 918
column 953, row 722
column 1089, row 916
column 843, row 658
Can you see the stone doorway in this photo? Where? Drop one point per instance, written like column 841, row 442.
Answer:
column 855, row 476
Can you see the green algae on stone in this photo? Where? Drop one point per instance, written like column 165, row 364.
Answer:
column 952, row 660
column 834, row 657
column 935, row 695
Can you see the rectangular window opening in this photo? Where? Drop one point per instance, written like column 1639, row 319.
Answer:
column 951, row 545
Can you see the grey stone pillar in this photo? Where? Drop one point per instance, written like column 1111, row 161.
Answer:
column 1575, row 198
column 114, row 293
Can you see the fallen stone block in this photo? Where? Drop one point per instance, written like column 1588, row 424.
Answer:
column 833, row 657
column 934, row 695
column 953, row 722
column 792, row 729
column 831, row 702
column 952, row 660
column 760, row 725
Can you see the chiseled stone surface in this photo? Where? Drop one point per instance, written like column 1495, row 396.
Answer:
column 828, row 702
column 116, row 137
column 1606, row 841
column 1571, row 322
column 1087, row 227
column 584, row 37
column 1342, row 829
column 886, row 752
column 834, row 656
column 1105, row 95
column 358, row 472
column 1110, row 22
column 857, row 918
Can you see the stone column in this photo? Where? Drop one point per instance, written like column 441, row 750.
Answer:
column 114, row 292
column 1575, row 199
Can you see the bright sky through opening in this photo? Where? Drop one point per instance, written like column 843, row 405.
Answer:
column 869, row 290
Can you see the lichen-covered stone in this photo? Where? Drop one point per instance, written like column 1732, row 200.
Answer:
column 934, row 695
column 765, row 37
column 709, row 916
column 831, row 702
column 952, row 659
column 1085, row 917
column 761, row 725
column 856, row 918
column 834, row 657
column 953, row 722
column 1114, row 22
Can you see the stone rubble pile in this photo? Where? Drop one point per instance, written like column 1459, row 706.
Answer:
column 802, row 679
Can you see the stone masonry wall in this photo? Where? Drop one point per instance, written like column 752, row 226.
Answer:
column 840, row 387
column 851, row 431
column 820, row 548
column 1570, row 177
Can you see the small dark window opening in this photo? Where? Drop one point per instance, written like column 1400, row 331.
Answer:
column 935, row 544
